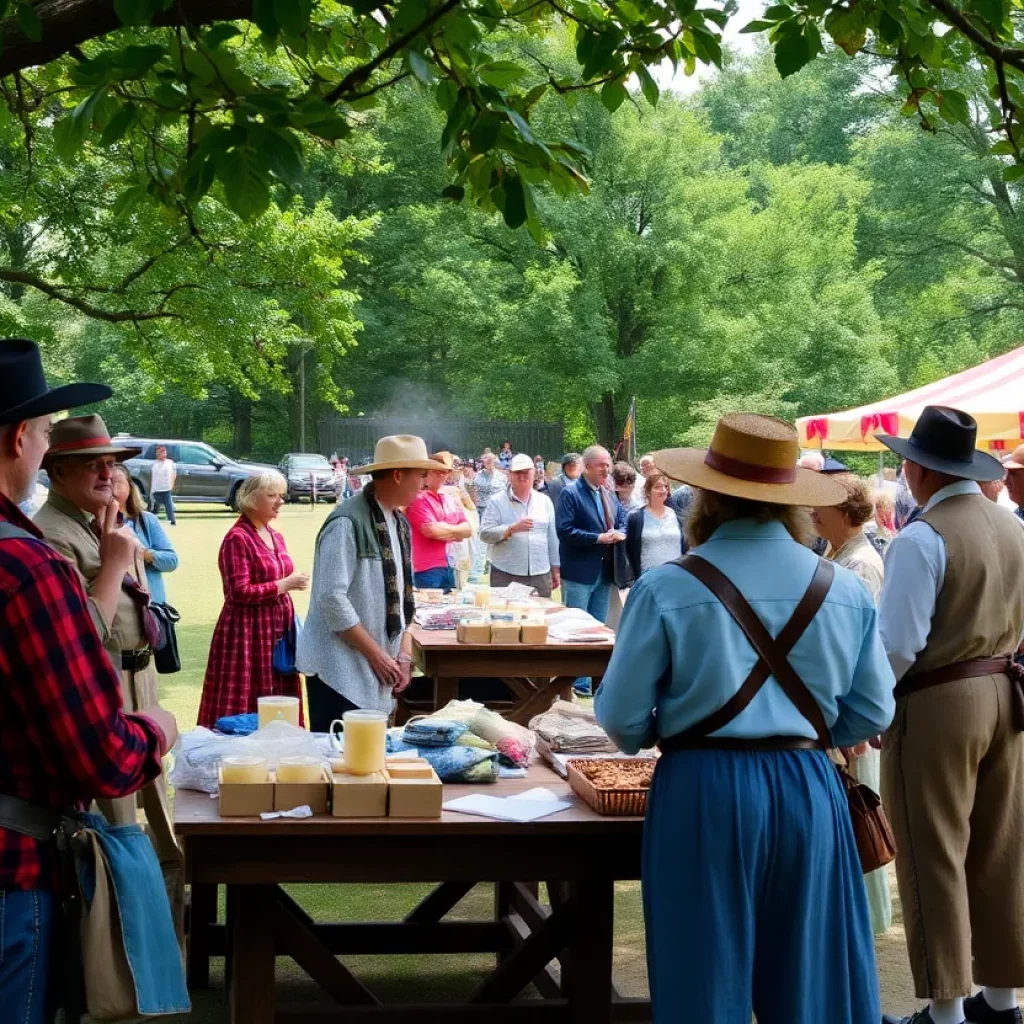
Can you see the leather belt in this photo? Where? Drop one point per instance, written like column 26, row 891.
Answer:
column 136, row 661
column 951, row 673
column 740, row 743
column 30, row 819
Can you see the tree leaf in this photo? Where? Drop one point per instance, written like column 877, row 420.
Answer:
column 501, row 73
column 246, row 187
column 514, row 210
column 128, row 200
column 484, row 133
column 420, row 67
column 29, row 22
column 757, row 26
column 454, row 192
column 614, row 94
column 779, row 12
column 136, row 12
column 119, row 124
column 447, row 93
column 648, row 86
column 848, row 28
column 1013, row 173
column 792, row 52
column 953, row 106
column 221, row 34
column 264, row 15
column 992, row 11
column 135, row 61
column 292, row 16
column 281, row 151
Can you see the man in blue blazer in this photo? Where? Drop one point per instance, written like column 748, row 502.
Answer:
column 590, row 520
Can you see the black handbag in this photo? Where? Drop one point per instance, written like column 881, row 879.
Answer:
column 622, row 571
column 166, row 657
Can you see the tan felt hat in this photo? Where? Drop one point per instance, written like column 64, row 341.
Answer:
column 84, row 435
column 1015, row 460
column 400, row 451
column 752, row 457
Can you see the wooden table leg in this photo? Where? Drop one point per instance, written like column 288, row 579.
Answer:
column 587, row 961
column 252, row 940
column 202, row 913
column 445, row 690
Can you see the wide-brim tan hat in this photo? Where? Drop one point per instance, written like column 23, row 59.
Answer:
column 84, row 435
column 752, row 457
column 446, row 458
column 401, row 451
column 1016, row 459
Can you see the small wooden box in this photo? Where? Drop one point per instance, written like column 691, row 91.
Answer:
column 473, row 632
column 415, row 798
column 245, row 799
column 534, row 632
column 289, row 795
column 359, row 796
column 410, row 770
column 504, row 632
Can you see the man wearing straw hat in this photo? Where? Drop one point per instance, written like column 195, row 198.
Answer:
column 354, row 648
column 753, row 895
column 80, row 462
column 951, row 616
column 1014, row 467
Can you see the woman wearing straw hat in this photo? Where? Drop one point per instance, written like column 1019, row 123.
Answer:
column 753, row 895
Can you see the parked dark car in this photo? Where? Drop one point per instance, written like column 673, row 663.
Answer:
column 204, row 474
column 302, row 471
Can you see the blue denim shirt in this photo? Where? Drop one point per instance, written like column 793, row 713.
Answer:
column 679, row 655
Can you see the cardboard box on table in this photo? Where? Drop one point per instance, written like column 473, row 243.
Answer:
column 245, row 799
column 314, row 795
column 359, row 796
column 414, row 798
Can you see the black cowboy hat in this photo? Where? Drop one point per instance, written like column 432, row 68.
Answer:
column 835, row 466
column 944, row 440
column 24, row 393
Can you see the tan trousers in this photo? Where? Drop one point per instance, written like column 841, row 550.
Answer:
column 139, row 691
column 953, row 787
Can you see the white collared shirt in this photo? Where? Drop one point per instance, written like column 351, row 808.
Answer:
column 915, row 568
column 532, row 553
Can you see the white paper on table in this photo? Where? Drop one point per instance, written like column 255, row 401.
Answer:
column 529, row 806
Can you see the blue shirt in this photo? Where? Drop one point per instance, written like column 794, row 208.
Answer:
column 679, row 655
column 165, row 558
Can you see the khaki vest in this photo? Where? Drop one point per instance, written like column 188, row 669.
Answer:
column 980, row 610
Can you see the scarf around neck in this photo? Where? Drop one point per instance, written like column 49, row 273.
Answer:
column 396, row 602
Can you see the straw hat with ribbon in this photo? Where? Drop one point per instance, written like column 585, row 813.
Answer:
column 1015, row 460
column 84, row 435
column 752, row 457
column 400, row 451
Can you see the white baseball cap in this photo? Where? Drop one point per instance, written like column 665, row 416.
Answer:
column 520, row 462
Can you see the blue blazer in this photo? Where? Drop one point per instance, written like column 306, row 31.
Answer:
column 579, row 525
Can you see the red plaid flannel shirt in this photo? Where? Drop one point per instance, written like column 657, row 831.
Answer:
column 64, row 739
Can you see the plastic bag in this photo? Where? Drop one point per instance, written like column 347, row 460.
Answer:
column 198, row 753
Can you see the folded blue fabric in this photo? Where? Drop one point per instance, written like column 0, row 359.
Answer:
column 432, row 732
column 238, row 725
column 150, row 942
column 448, row 762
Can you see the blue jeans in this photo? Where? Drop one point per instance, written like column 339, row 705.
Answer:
column 26, row 932
column 591, row 597
column 436, row 579
column 166, row 499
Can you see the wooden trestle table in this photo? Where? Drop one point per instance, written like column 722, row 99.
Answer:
column 577, row 853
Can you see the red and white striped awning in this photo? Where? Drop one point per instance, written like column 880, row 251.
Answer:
column 992, row 393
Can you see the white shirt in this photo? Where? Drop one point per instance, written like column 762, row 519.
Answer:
column 531, row 553
column 162, row 476
column 915, row 568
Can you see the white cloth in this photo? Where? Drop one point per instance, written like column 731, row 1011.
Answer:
column 532, row 553
column 162, row 478
column 915, row 567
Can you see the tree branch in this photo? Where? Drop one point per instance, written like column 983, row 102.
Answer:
column 357, row 76
column 66, row 24
column 88, row 309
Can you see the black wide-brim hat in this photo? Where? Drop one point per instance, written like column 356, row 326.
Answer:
column 24, row 393
column 944, row 440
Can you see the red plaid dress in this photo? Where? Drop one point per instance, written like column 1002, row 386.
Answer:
column 253, row 619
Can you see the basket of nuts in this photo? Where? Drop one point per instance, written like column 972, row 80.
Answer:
column 612, row 786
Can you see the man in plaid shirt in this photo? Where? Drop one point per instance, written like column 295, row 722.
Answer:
column 64, row 738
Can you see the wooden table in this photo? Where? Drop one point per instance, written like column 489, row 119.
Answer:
column 253, row 858
column 535, row 674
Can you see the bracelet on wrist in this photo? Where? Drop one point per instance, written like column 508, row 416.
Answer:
column 404, row 659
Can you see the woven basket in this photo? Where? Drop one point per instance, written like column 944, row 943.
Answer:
column 623, row 803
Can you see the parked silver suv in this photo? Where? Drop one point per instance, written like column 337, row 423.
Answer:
column 204, row 474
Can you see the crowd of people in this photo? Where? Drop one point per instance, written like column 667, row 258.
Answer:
column 780, row 613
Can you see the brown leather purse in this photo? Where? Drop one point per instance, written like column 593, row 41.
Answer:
column 872, row 833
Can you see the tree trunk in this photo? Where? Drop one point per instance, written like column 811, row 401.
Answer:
column 606, row 423
column 241, row 421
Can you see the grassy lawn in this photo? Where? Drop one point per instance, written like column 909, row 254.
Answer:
column 195, row 590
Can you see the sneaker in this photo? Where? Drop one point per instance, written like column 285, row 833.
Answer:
column 921, row 1017
column 978, row 1011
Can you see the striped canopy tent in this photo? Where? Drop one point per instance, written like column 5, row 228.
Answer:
column 992, row 393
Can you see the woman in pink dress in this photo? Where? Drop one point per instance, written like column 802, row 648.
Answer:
column 258, row 577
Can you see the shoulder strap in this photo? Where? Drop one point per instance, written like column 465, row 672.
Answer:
column 773, row 652
column 8, row 531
